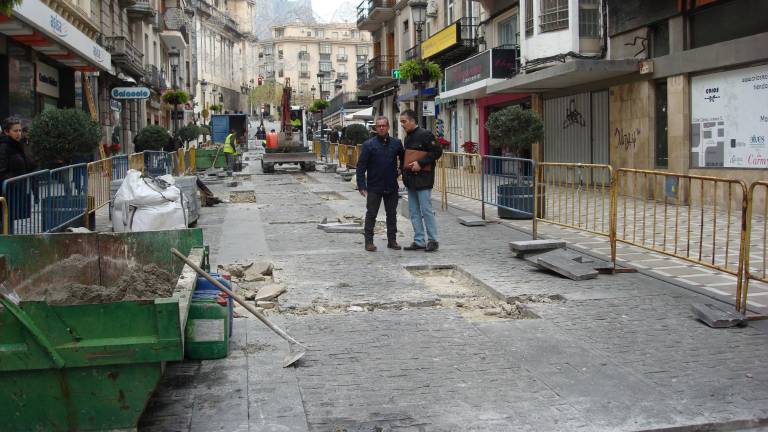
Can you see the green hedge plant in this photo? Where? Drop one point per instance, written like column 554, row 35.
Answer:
column 57, row 135
column 420, row 71
column 356, row 134
column 152, row 137
column 175, row 97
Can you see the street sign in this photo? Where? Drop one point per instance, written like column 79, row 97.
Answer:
column 396, row 73
column 130, row 93
column 177, row 115
column 428, row 108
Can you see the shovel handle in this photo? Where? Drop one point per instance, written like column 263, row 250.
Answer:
column 237, row 298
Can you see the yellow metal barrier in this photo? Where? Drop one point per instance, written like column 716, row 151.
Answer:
column 460, row 175
column 700, row 219
column 136, row 161
column 343, row 154
column 317, row 149
column 191, row 161
column 574, row 195
column 756, row 244
column 99, row 183
column 332, row 151
column 354, row 154
column 4, row 209
column 181, row 155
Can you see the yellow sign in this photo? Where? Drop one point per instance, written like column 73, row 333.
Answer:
column 442, row 40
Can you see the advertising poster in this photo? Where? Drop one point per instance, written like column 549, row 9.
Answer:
column 729, row 119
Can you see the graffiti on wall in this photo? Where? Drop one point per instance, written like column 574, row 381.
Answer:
column 626, row 140
column 573, row 116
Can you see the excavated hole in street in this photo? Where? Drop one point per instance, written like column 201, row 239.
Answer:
column 304, row 178
column 330, row 196
column 455, row 288
column 238, row 197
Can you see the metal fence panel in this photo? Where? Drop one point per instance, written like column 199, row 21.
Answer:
column 66, row 200
column 157, row 163
column 119, row 167
column 100, row 175
column 25, row 196
column 508, row 184
column 756, row 241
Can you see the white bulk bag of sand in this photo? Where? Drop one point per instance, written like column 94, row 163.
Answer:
column 146, row 204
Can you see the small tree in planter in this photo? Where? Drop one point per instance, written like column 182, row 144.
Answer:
column 205, row 114
column 58, row 135
column 152, row 137
column 216, row 108
column 356, row 134
column 514, row 130
column 189, row 133
column 205, row 131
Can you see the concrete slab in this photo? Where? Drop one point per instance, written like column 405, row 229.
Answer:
column 568, row 265
column 523, row 247
column 716, row 317
column 472, row 221
column 347, row 228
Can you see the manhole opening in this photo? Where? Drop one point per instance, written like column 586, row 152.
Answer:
column 457, row 289
column 330, row 196
column 242, row 196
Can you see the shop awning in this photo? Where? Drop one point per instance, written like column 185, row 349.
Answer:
column 566, row 75
column 38, row 26
column 363, row 114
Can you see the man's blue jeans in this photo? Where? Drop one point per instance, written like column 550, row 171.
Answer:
column 420, row 208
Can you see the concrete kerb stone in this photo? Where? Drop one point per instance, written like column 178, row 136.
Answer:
column 471, row 221
column 566, row 263
column 523, row 247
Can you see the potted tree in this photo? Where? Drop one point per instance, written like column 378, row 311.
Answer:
column 152, row 137
column 59, row 136
column 513, row 130
column 189, row 133
column 420, row 71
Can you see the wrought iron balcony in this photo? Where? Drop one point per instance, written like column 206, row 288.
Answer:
column 412, row 53
column 152, row 76
column 125, row 55
column 372, row 13
column 125, row 3
column 342, row 75
column 140, row 10
column 304, row 74
column 341, row 57
column 464, row 46
column 376, row 73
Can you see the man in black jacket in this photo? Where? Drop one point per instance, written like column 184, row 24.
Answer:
column 377, row 168
column 419, row 178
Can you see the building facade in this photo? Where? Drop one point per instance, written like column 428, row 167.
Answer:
column 319, row 60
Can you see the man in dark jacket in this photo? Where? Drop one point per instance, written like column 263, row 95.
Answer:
column 13, row 160
column 377, row 168
column 419, row 178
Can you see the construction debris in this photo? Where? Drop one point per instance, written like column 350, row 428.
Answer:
column 471, row 221
column 335, row 227
column 566, row 263
column 716, row 317
column 269, row 292
column 524, row 247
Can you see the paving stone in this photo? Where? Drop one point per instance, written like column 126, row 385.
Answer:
column 269, row 292
column 716, row 317
column 565, row 264
column 471, row 221
column 522, row 247
column 348, row 228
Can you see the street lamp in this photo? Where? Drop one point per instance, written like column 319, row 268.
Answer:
column 203, row 87
column 174, row 57
column 419, row 17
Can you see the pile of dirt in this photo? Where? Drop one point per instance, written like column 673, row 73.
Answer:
column 137, row 283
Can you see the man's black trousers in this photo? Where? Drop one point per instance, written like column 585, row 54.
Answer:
column 390, row 207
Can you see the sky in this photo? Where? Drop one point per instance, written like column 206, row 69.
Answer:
column 325, row 9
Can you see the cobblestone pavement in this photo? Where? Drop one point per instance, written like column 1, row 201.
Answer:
column 620, row 352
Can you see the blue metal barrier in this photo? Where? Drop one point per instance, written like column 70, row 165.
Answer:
column 119, row 167
column 25, row 195
column 157, row 163
column 66, row 200
column 508, row 184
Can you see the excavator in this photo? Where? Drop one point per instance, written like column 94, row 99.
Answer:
column 289, row 146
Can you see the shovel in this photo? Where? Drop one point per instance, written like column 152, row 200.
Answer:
column 296, row 350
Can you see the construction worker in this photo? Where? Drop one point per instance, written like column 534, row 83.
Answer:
column 230, row 144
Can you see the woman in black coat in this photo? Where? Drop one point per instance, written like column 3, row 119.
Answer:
column 13, row 161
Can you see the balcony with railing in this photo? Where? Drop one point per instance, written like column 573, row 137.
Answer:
column 125, row 55
column 140, row 10
column 125, row 3
column 341, row 58
column 462, row 36
column 376, row 73
column 412, row 53
column 304, row 74
column 152, row 77
column 372, row 13
column 325, row 56
column 342, row 75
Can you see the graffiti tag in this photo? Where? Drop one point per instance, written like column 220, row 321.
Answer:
column 626, row 140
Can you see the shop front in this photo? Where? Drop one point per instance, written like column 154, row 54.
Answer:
column 45, row 62
column 466, row 102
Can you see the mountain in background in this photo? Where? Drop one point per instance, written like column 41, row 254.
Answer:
column 268, row 13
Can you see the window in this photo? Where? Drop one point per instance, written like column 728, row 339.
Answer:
column 528, row 18
column 303, row 67
column 342, row 50
column 662, row 148
column 325, row 49
column 362, row 51
column 554, row 15
column 279, row 33
column 342, row 68
column 660, row 39
column 727, row 20
column 589, row 18
column 335, row 35
column 448, row 12
column 508, row 31
column 355, row 34
column 325, row 67
column 405, row 26
column 320, row 33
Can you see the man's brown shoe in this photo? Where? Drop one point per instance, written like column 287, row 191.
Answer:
column 394, row 245
column 370, row 247
column 414, row 246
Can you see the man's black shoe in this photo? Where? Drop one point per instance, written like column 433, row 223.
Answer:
column 431, row 246
column 370, row 247
column 393, row 245
column 414, row 246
